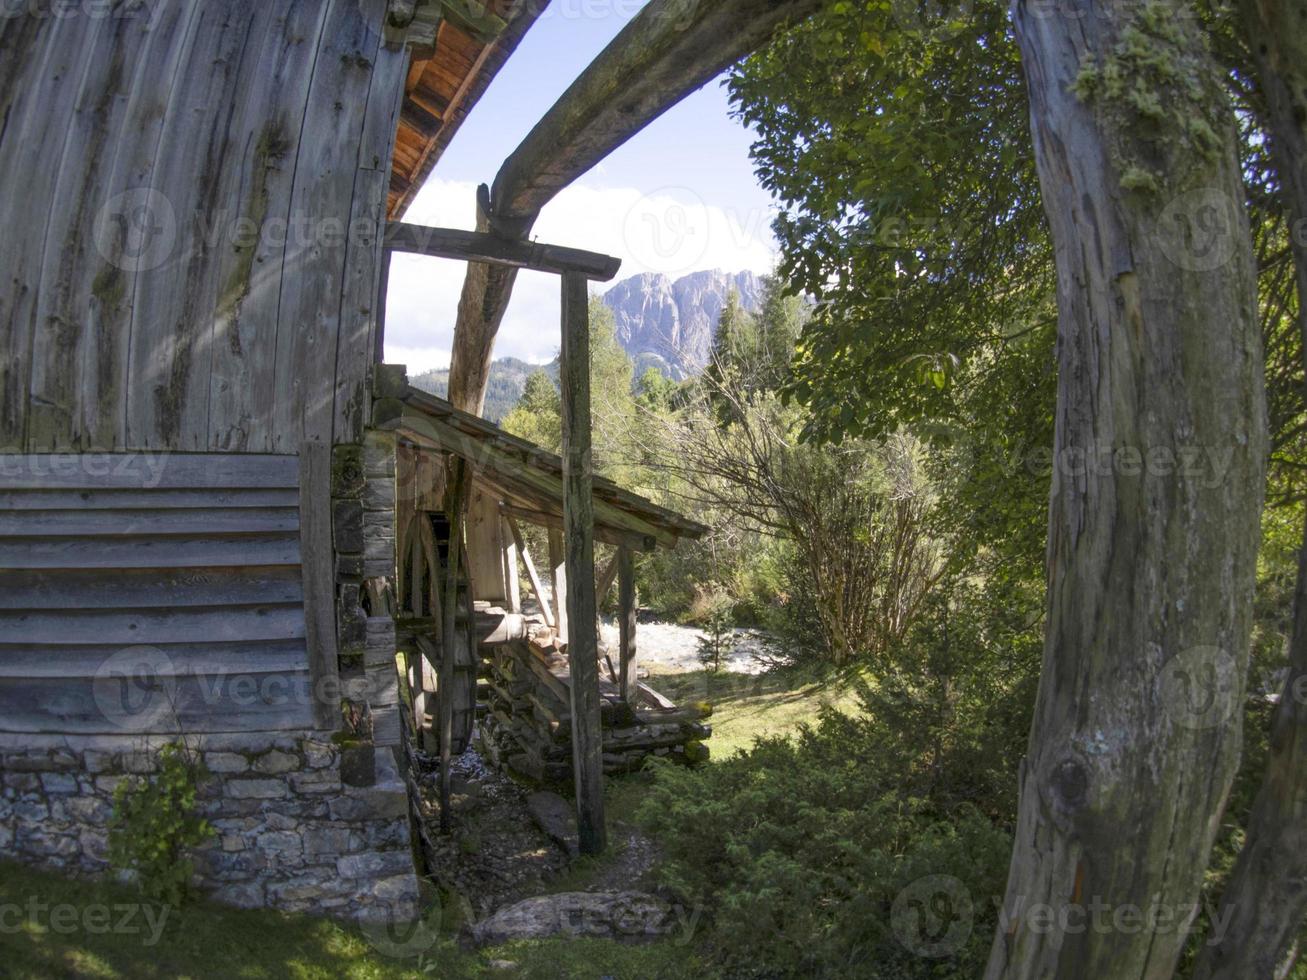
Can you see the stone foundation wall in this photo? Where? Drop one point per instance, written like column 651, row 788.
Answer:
column 302, row 825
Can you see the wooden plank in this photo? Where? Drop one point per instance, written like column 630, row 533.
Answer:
column 176, row 660
column 319, row 582
column 606, row 533
column 193, row 704
column 129, row 500
column 309, row 317
column 626, row 622
column 458, row 494
column 511, row 579
column 558, row 581
column 546, row 610
column 118, row 523
column 76, row 370
column 238, row 552
column 191, row 624
column 605, row 579
column 147, row 588
column 175, row 292
column 360, row 302
column 578, row 518
column 471, row 246
column 148, row 471
column 36, row 127
column 255, row 189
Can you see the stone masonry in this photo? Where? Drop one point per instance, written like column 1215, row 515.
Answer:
column 301, row 824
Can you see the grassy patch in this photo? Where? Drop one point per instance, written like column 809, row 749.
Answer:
column 748, row 707
column 203, row 940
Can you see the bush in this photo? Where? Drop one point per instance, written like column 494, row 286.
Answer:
column 798, row 850
column 154, row 826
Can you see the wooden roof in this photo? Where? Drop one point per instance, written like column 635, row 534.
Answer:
column 444, row 83
column 526, row 477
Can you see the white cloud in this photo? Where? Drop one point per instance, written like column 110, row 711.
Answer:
column 671, row 231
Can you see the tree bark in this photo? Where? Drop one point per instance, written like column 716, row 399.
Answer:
column 1265, row 899
column 1157, row 489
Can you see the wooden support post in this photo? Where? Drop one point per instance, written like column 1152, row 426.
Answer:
column 449, row 616
column 626, row 610
column 578, row 529
column 532, row 575
column 512, row 586
column 558, row 579
column 318, row 563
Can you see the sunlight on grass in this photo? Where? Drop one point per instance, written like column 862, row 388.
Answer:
column 749, row 707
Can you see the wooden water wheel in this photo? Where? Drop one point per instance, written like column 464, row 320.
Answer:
column 423, row 574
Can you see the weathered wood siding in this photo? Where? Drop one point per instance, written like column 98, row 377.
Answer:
column 151, row 592
column 192, row 197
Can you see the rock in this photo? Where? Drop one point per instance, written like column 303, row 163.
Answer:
column 226, row 762
column 55, row 782
column 256, row 789
column 626, row 916
column 671, row 325
column 556, row 817
column 276, row 762
column 374, row 864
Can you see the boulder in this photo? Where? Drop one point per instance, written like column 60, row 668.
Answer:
column 624, row 916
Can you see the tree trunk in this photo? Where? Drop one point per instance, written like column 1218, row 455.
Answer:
column 1266, row 897
column 1157, row 490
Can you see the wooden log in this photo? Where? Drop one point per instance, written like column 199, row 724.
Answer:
column 546, row 610
column 578, row 518
column 626, row 621
column 458, row 500
column 319, row 582
column 666, row 52
column 558, row 575
column 471, row 246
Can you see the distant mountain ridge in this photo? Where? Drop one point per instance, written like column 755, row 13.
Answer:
column 664, row 324
column 670, row 324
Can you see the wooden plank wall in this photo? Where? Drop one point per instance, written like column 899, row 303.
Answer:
column 144, row 592
column 193, row 260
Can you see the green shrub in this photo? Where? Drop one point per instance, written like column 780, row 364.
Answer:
column 154, row 826
column 798, row 849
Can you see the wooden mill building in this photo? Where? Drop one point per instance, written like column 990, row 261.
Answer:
column 220, row 516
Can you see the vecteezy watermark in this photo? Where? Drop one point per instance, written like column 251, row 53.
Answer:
column 136, row 231
column 667, row 229
column 1101, row 917
column 1198, row 231
column 1206, row 465
column 932, row 16
column 1199, row 688
column 66, row 919
column 137, row 470
column 142, row 688
column 392, row 930
column 933, row 916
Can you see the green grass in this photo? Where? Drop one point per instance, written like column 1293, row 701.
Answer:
column 747, row 707
column 203, row 940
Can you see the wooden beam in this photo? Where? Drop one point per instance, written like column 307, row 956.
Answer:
column 531, row 573
column 318, row 567
column 606, row 578
column 666, row 52
column 578, row 521
column 449, row 627
column 472, row 246
column 626, row 616
column 608, row 535
column 558, row 580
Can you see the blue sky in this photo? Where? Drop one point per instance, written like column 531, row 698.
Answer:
column 678, row 197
